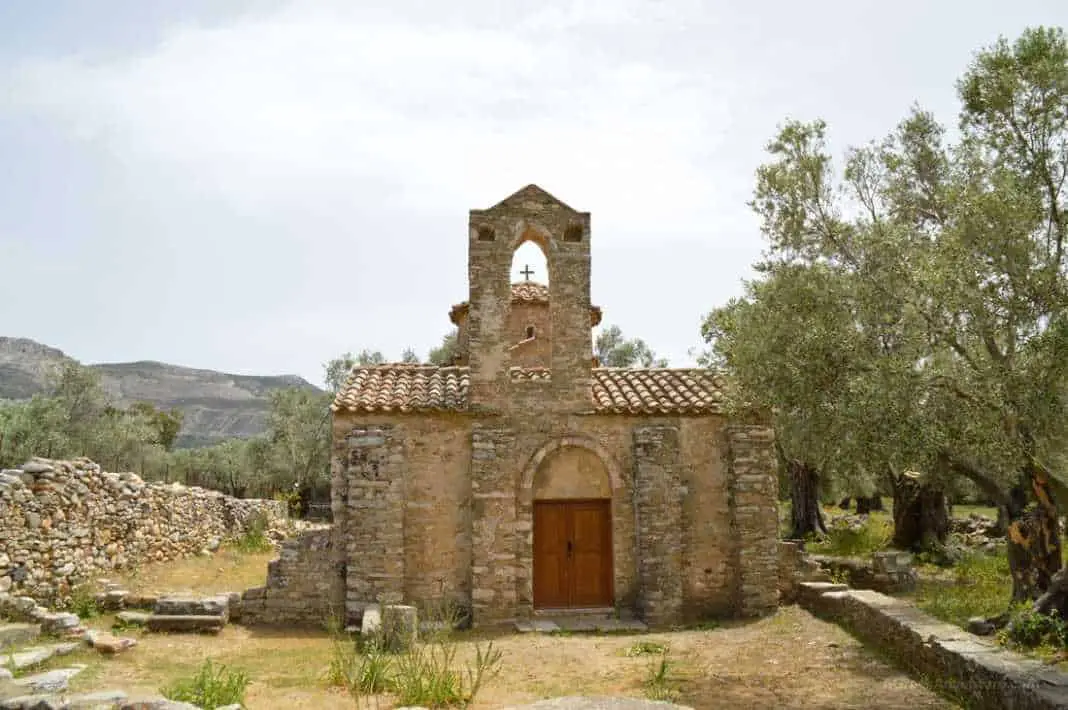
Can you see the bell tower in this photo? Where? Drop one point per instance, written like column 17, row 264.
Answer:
column 563, row 234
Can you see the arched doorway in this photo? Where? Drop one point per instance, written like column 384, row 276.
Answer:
column 572, row 521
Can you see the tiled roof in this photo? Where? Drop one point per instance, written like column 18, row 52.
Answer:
column 525, row 292
column 423, row 388
column 403, row 388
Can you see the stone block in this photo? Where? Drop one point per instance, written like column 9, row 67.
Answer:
column 180, row 623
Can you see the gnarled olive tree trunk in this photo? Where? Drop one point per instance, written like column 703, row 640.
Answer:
column 1033, row 536
column 806, row 517
column 921, row 513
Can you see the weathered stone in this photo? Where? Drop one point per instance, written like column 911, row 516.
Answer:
column 108, row 643
column 17, row 633
column 434, row 499
column 54, row 512
column 134, row 618
column 55, row 681
column 185, row 624
column 181, row 605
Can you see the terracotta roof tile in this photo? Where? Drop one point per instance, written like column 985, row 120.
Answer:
column 423, row 388
column 403, row 388
column 525, row 292
column 656, row 391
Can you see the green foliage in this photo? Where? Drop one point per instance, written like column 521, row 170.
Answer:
column 910, row 308
column 211, row 687
column 980, row 585
column 613, row 350
column 445, row 354
column 82, row 601
column 254, row 539
column 424, row 674
column 646, row 648
column 659, row 682
column 847, row 540
column 1030, row 629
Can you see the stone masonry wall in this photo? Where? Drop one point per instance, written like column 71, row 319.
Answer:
column 754, row 517
column 564, row 236
column 372, row 539
column 64, row 522
column 305, row 585
column 658, row 493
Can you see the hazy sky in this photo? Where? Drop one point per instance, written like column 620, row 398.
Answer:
column 256, row 187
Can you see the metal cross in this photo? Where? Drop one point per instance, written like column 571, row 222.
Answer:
column 526, row 271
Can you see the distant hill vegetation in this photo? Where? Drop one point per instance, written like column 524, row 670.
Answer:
column 216, row 405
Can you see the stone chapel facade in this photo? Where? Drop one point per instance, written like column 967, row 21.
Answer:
column 525, row 478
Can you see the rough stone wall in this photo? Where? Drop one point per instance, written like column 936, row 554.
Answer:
column 754, row 517
column 658, row 494
column 305, row 585
column 564, row 236
column 373, row 467
column 64, row 522
column 408, row 533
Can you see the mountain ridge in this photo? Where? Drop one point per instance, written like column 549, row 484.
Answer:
column 216, row 405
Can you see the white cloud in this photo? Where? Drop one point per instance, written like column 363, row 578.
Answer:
column 278, row 110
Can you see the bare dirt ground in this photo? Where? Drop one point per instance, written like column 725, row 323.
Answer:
column 791, row 660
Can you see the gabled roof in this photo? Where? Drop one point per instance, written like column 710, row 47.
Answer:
column 407, row 389
column 530, row 193
column 524, row 292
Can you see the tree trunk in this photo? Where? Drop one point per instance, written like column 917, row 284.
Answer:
column 1034, row 540
column 806, row 516
column 921, row 514
column 866, row 504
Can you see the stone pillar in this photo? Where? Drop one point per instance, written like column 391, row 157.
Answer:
column 569, row 311
column 493, row 521
column 374, row 532
column 658, row 494
column 753, row 490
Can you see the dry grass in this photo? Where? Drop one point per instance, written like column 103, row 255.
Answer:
column 226, row 571
column 789, row 660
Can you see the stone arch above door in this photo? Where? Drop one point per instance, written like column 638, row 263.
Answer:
column 587, row 450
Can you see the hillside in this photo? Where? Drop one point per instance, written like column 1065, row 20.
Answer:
column 217, row 405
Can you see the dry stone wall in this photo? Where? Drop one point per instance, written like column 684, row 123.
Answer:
column 64, row 522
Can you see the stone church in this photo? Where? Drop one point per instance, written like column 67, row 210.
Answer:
column 525, row 478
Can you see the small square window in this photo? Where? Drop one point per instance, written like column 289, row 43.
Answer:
column 530, row 332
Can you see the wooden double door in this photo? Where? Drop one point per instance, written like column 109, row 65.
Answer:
column 572, row 554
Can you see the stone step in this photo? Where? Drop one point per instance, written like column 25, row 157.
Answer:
column 32, row 657
column 193, row 606
column 55, row 681
column 133, row 618
column 18, row 634
column 185, row 623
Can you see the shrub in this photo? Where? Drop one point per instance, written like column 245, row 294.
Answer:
column 658, row 681
column 82, row 602
column 211, row 687
column 646, row 648
column 846, row 540
column 254, row 539
column 1029, row 629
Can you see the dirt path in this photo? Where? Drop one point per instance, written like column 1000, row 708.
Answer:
column 791, row 660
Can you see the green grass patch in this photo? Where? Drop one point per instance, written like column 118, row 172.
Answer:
column 845, row 540
column 211, row 687
column 978, row 585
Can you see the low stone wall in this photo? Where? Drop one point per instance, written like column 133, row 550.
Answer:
column 65, row 522
column 305, row 585
column 975, row 671
column 886, row 572
column 796, row 567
